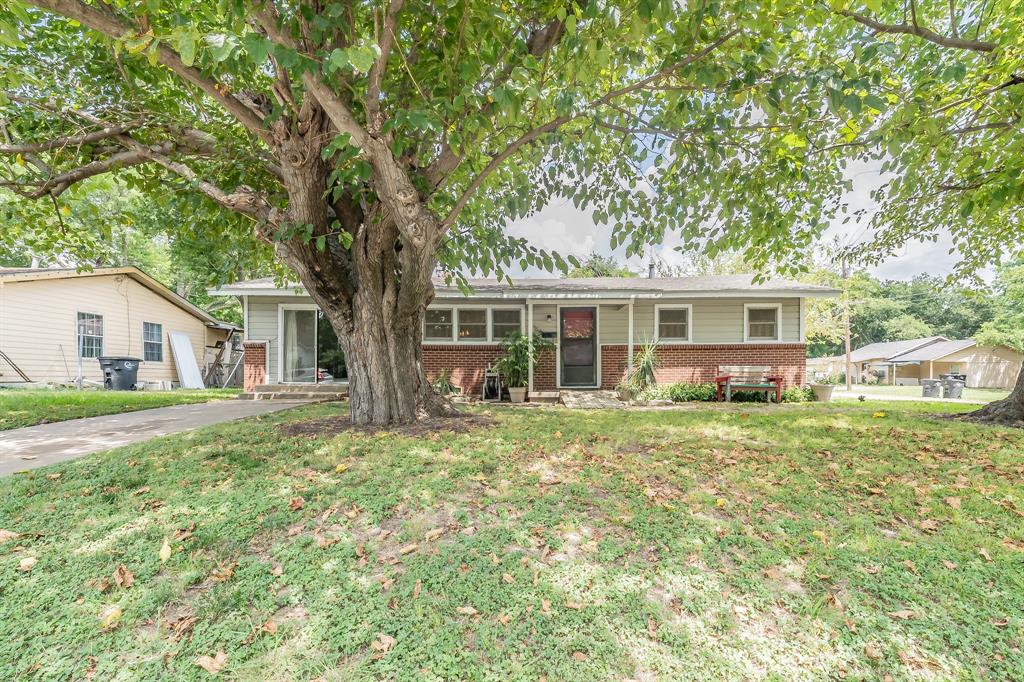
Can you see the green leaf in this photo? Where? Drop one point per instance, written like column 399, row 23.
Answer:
column 362, row 58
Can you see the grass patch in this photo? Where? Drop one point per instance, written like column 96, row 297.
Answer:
column 29, row 407
column 982, row 394
column 734, row 542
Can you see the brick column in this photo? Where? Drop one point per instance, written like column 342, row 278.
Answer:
column 255, row 364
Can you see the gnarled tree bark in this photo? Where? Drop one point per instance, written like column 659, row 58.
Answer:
column 1009, row 411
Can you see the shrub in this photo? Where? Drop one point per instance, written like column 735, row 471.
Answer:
column 797, row 394
column 443, row 384
column 680, row 393
column 645, row 364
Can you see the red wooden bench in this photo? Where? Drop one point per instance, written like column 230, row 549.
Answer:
column 747, row 378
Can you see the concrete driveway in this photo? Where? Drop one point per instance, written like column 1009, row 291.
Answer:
column 37, row 446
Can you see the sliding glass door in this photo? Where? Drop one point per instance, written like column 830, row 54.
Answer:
column 298, row 345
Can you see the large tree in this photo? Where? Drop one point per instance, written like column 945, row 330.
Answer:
column 950, row 80
column 373, row 143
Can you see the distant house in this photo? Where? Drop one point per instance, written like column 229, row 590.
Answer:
column 907, row 362
column 53, row 321
column 596, row 325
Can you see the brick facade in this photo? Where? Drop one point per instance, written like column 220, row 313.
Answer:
column 467, row 363
column 698, row 363
column 255, row 364
column 691, row 363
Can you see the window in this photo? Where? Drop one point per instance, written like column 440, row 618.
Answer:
column 152, row 342
column 473, row 324
column 90, row 335
column 762, row 323
column 438, row 324
column 504, row 322
column 673, row 323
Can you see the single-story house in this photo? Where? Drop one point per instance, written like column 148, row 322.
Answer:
column 595, row 324
column 906, row 363
column 53, row 321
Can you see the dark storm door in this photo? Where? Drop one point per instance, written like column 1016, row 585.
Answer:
column 577, row 340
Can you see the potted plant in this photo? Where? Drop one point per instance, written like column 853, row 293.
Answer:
column 514, row 365
column 823, row 388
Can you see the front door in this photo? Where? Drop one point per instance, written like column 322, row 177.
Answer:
column 298, row 345
column 577, row 340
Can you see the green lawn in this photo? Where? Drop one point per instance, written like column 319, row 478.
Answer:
column 741, row 542
column 984, row 394
column 20, row 407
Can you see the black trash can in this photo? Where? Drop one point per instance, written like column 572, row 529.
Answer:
column 931, row 388
column 953, row 388
column 120, row 374
column 953, row 377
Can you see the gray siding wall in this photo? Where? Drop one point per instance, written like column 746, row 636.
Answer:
column 262, row 324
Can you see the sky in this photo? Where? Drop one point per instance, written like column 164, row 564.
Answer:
column 561, row 227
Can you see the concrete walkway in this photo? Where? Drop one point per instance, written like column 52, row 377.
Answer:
column 36, row 446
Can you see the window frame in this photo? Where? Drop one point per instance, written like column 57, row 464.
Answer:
column 453, row 324
column 79, row 336
column 688, row 307
column 747, row 307
column 457, row 308
column 147, row 342
column 486, row 323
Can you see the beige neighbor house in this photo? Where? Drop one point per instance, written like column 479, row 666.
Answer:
column 596, row 324
column 53, row 321
column 906, row 363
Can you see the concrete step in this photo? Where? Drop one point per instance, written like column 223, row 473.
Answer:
column 545, row 397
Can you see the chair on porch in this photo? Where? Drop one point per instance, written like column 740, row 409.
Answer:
column 747, row 378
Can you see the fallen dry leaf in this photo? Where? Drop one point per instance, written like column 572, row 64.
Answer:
column 212, row 664
column 911, row 566
column 27, row 564
column 382, row 645
column 872, row 652
column 223, row 572
column 123, row 577
column 508, row 578
column 110, row 618
column 545, row 606
column 984, row 553
column 504, row 619
column 928, row 525
column 181, row 626
column 949, row 564
column 270, row 627
column 902, row 614
column 184, row 533
column 353, row 512
column 277, row 570
column 466, row 610
column 434, row 534
column 416, row 590
column 953, row 502
column 579, row 656
column 575, row 605
column 296, row 503
column 6, row 535
column 165, row 550
column 408, row 549
column 54, row 477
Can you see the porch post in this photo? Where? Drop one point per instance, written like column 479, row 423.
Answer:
column 930, row 368
column 894, row 374
column 529, row 336
column 629, row 339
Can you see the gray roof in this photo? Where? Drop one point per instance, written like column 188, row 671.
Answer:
column 887, row 349
column 932, row 351
column 713, row 284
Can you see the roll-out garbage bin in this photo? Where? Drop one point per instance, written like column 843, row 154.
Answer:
column 956, row 377
column 931, row 388
column 953, row 388
column 120, row 373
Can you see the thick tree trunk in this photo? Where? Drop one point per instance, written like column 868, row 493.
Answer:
column 1009, row 410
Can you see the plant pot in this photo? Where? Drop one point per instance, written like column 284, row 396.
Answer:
column 517, row 394
column 823, row 392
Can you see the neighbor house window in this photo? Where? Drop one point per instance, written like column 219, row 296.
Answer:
column 473, row 324
column 90, row 335
column 152, row 342
column 504, row 322
column 438, row 325
column 763, row 323
column 673, row 323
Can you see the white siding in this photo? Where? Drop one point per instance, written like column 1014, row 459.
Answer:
column 38, row 326
column 714, row 320
column 263, row 321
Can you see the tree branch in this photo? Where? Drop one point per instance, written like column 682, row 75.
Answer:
column 921, row 32
column 556, row 123
column 387, row 39
column 68, row 141
column 103, row 21
column 58, row 184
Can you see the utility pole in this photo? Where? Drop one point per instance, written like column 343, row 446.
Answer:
column 846, row 323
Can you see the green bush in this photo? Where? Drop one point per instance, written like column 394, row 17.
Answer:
column 688, row 393
column 680, row 393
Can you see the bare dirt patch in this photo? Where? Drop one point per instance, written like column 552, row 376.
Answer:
column 328, row 428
